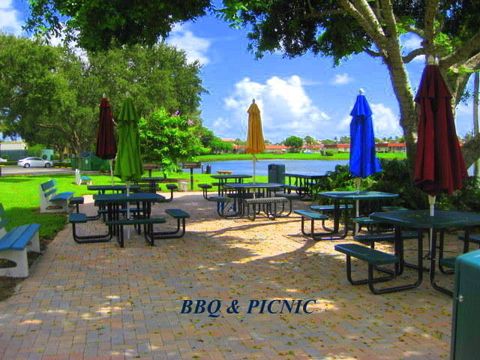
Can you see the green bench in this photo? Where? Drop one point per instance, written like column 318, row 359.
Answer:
column 205, row 188
column 269, row 205
column 180, row 216
column 330, row 208
column 80, row 218
column 15, row 244
column 51, row 201
column 147, row 227
column 374, row 258
column 312, row 216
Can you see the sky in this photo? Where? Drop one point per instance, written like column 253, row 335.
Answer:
column 303, row 96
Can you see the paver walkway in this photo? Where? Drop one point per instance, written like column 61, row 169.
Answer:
column 98, row 301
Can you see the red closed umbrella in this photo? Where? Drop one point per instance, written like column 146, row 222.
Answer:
column 439, row 164
column 106, row 144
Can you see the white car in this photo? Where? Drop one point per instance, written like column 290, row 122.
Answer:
column 3, row 160
column 34, row 162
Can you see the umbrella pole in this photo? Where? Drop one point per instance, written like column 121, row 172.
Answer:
column 110, row 162
column 254, row 161
column 358, row 182
column 128, row 208
column 431, row 203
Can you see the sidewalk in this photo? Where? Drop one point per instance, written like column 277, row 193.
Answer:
column 98, row 301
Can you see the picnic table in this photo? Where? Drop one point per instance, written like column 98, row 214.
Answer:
column 103, row 189
column 436, row 224
column 302, row 184
column 350, row 196
column 223, row 179
column 261, row 194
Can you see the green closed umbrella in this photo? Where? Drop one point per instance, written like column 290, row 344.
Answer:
column 129, row 163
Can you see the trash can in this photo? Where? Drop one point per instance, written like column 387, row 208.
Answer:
column 182, row 185
column 466, row 307
column 208, row 169
column 276, row 173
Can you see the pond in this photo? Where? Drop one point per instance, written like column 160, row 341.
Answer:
column 307, row 167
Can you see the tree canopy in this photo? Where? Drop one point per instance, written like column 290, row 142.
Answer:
column 98, row 25
column 49, row 95
column 447, row 28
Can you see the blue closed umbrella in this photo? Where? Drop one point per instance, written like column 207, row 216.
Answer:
column 363, row 161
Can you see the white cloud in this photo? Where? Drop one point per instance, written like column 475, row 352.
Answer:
column 411, row 42
column 9, row 21
column 385, row 122
column 285, row 107
column 342, row 79
column 195, row 47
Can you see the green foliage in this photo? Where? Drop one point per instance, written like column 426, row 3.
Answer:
column 169, row 139
column 294, row 142
column 155, row 77
column 49, row 96
column 97, row 25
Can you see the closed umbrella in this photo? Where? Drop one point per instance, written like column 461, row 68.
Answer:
column 439, row 164
column 255, row 141
column 106, row 144
column 363, row 160
column 129, row 163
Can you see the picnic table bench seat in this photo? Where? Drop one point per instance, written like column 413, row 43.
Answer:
column 179, row 215
column 147, row 223
column 268, row 204
column 312, row 216
column 330, row 208
column 51, row 201
column 371, row 238
column 374, row 259
column 15, row 244
column 80, row 218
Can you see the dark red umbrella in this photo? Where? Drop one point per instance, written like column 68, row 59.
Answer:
column 106, row 144
column 439, row 164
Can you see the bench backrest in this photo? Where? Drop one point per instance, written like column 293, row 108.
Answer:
column 48, row 188
column 3, row 221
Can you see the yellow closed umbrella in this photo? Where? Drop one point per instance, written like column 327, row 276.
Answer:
column 255, row 142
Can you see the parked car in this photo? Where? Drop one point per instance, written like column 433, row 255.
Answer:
column 3, row 160
column 34, row 162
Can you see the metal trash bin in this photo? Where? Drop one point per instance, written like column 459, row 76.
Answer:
column 466, row 307
column 276, row 173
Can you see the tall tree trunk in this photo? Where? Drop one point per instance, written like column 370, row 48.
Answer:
column 476, row 84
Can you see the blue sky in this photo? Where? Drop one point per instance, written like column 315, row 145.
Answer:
column 301, row 96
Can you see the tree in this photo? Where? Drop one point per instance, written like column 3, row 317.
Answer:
column 98, row 25
column 43, row 96
column 49, row 95
column 294, row 142
column 159, row 76
column 309, row 140
column 448, row 32
column 169, row 139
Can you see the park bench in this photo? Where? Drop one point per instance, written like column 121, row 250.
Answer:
column 267, row 204
column 80, row 218
column 15, row 244
column 179, row 215
column 147, row 223
column 374, row 258
column 50, row 200
column 82, row 179
column 312, row 216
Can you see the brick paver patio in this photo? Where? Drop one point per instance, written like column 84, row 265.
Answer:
column 99, row 301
